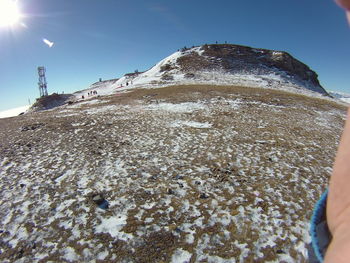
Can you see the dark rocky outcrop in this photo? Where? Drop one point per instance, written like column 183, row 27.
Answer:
column 236, row 59
column 50, row 102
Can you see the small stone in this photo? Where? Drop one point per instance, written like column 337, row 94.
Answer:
column 97, row 197
column 104, row 204
column 177, row 230
column 100, row 201
column 280, row 251
column 197, row 182
column 179, row 177
column 20, row 253
column 22, row 185
column 170, row 191
column 153, row 178
column 203, row 196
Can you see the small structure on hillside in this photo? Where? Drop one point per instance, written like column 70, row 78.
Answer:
column 42, row 82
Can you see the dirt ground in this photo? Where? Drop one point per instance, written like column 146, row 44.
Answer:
column 190, row 174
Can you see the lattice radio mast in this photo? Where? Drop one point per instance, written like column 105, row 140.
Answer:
column 42, row 82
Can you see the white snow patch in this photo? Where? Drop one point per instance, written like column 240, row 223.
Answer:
column 193, row 124
column 113, row 225
column 70, row 255
column 108, row 108
column 347, row 100
column 102, row 255
column 63, row 176
column 186, row 107
column 13, row 112
column 181, row 256
column 81, row 103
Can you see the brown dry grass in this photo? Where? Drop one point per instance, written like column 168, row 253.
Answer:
column 225, row 178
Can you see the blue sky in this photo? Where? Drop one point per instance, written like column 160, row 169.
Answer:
column 108, row 38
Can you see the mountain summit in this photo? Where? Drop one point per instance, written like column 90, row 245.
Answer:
column 224, row 64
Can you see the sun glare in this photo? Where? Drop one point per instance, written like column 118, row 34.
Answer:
column 9, row 13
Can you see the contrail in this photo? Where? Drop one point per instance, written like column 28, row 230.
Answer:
column 48, row 42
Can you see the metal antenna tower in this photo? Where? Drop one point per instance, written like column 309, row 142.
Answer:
column 42, row 82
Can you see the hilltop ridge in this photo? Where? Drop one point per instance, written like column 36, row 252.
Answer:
column 222, row 64
column 215, row 64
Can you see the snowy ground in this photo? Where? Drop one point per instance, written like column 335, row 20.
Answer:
column 170, row 72
column 191, row 174
column 13, row 112
column 341, row 96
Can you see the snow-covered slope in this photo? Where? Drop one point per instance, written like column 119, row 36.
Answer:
column 13, row 112
column 340, row 95
column 220, row 65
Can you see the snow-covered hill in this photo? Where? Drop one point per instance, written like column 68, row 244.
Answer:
column 340, row 95
column 13, row 112
column 220, row 65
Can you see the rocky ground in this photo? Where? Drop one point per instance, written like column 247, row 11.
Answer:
column 178, row 174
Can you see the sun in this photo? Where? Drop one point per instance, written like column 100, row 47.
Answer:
column 9, row 13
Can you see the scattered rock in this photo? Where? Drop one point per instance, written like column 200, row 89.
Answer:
column 32, row 127
column 179, row 177
column 100, row 201
column 22, row 185
column 52, row 101
column 20, row 253
column 178, row 230
column 153, row 178
column 203, row 196
column 197, row 182
column 96, row 152
column 280, row 251
column 227, row 171
column 189, row 75
column 170, row 191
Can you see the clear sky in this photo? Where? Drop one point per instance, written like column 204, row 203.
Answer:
column 107, row 38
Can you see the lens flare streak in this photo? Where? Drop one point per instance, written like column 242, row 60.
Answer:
column 48, row 42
